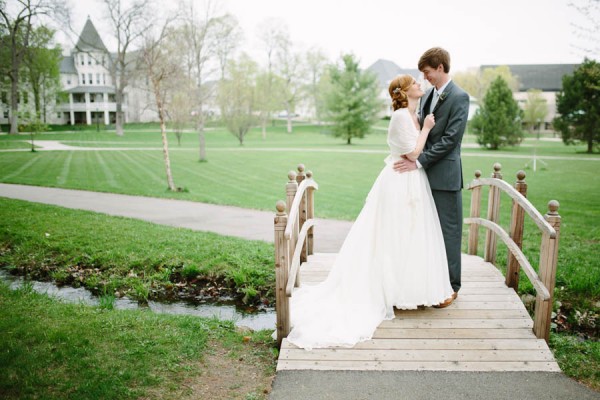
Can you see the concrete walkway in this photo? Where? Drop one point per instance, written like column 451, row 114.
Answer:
column 224, row 220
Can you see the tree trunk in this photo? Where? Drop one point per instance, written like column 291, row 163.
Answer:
column 590, row 145
column 201, row 138
column 163, row 132
column 14, row 104
column 264, row 127
column 289, row 123
column 119, row 122
column 349, row 140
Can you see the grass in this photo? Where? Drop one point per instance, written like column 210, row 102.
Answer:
column 254, row 176
column 143, row 260
column 53, row 350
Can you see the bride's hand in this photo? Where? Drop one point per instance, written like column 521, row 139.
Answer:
column 429, row 121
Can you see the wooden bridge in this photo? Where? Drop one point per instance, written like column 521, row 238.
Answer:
column 486, row 329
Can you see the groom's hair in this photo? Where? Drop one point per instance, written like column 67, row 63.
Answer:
column 434, row 57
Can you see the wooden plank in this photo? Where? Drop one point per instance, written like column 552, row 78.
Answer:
column 457, row 323
column 489, row 297
column 416, row 355
column 432, row 333
column 546, row 366
column 470, row 284
column 486, row 305
column 445, row 344
column 480, row 290
column 434, row 313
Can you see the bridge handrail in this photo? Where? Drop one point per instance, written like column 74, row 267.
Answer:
column 545, row 279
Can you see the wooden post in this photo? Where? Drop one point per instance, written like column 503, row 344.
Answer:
column 492, row 215
column 310, row 213
column 302, row 212
column 547, row 271
column 475, row 210
column 291, row 188
column 282, row 262
column 517, row 218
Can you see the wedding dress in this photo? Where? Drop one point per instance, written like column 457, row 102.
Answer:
column 393, row 256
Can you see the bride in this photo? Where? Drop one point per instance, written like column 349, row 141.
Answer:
column 394, row 254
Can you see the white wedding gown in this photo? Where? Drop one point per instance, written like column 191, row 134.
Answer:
column 393, row 256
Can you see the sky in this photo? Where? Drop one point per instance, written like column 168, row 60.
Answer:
column 475, row 32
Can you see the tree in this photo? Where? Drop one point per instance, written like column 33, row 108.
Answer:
column 497, row 122
column 477, row 82
column 535, row 110
column 16, row 25
column 228, row 35
column 161, row 65
column 587, row 32
column 237, row 97
column 315, row 62
column 352, row 101
column 42, row 66
column 272, row 33
column 579, row 106
column 203, row 36
column 128, row 24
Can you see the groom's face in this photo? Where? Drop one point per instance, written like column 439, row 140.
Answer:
column 433, row 75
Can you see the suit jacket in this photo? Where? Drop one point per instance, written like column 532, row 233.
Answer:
column 441, row 156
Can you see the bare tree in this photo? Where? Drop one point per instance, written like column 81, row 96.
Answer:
column 228, row 35
column 315, row 63
column 587, row 31
column 16, row 25
column 161, row 63
column 128, row 23
column 290, row 68
column 272, row 32
column 200, row 44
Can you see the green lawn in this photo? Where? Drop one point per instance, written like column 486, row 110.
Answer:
column 52, row 350
column 254, row 176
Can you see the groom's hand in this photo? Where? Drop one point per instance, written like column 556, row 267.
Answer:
column 405, row 165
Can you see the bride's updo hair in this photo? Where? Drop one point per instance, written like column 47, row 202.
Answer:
column 398, row 87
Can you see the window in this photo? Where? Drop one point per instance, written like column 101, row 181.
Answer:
column 97, row 79
column 104, row 79
column 6, row 113
column 97, row 60
column 25, row 97
column 4, row 97
column 68, row 81
column 82, row 58
column 90, row 78
column 83, row 79
column 59, row 115
column 89, row 57
column 102, row 60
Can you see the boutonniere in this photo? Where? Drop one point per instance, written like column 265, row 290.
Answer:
column 442, row 96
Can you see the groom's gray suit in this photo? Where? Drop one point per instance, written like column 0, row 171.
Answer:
column 441, row 160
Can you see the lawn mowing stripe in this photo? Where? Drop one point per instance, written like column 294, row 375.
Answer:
column 66, row 169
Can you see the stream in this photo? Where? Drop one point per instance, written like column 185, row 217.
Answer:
column 225, row 310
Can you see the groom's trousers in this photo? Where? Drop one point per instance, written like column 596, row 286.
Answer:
column 449, row 209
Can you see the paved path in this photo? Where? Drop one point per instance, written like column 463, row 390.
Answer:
column 224, row 220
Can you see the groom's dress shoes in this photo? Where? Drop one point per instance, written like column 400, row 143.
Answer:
column 448, row 301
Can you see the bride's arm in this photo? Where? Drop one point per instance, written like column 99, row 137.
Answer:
column 421, row 139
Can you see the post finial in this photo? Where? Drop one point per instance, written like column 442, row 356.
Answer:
column 521, row 175
column 497, row 167
column 553, row 207
column 280, row 206
column 477, row 174
column 300, row 168
column 309, row 174
column 292, row 176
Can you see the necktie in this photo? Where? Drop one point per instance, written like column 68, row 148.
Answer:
column 434, row 101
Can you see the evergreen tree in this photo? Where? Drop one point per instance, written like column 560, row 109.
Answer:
column 498, row 122
column 579, row 106
column 352, row 101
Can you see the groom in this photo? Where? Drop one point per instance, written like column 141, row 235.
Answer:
column 441, row 156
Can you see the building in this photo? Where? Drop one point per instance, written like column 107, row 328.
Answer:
column 88, row 90
column 544, row 77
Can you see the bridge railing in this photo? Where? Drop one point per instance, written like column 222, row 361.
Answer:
column 549, row 225
column 294, row 241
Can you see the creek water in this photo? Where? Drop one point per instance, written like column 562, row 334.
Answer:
column 239, row 314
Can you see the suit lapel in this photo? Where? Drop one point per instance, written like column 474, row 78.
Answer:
column 443, row 96
column 425, row 106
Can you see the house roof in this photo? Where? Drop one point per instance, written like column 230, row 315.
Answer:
column 90, row 40
column 91, row 89
column 386, row 70
column 545, row 77
column 67, row 65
